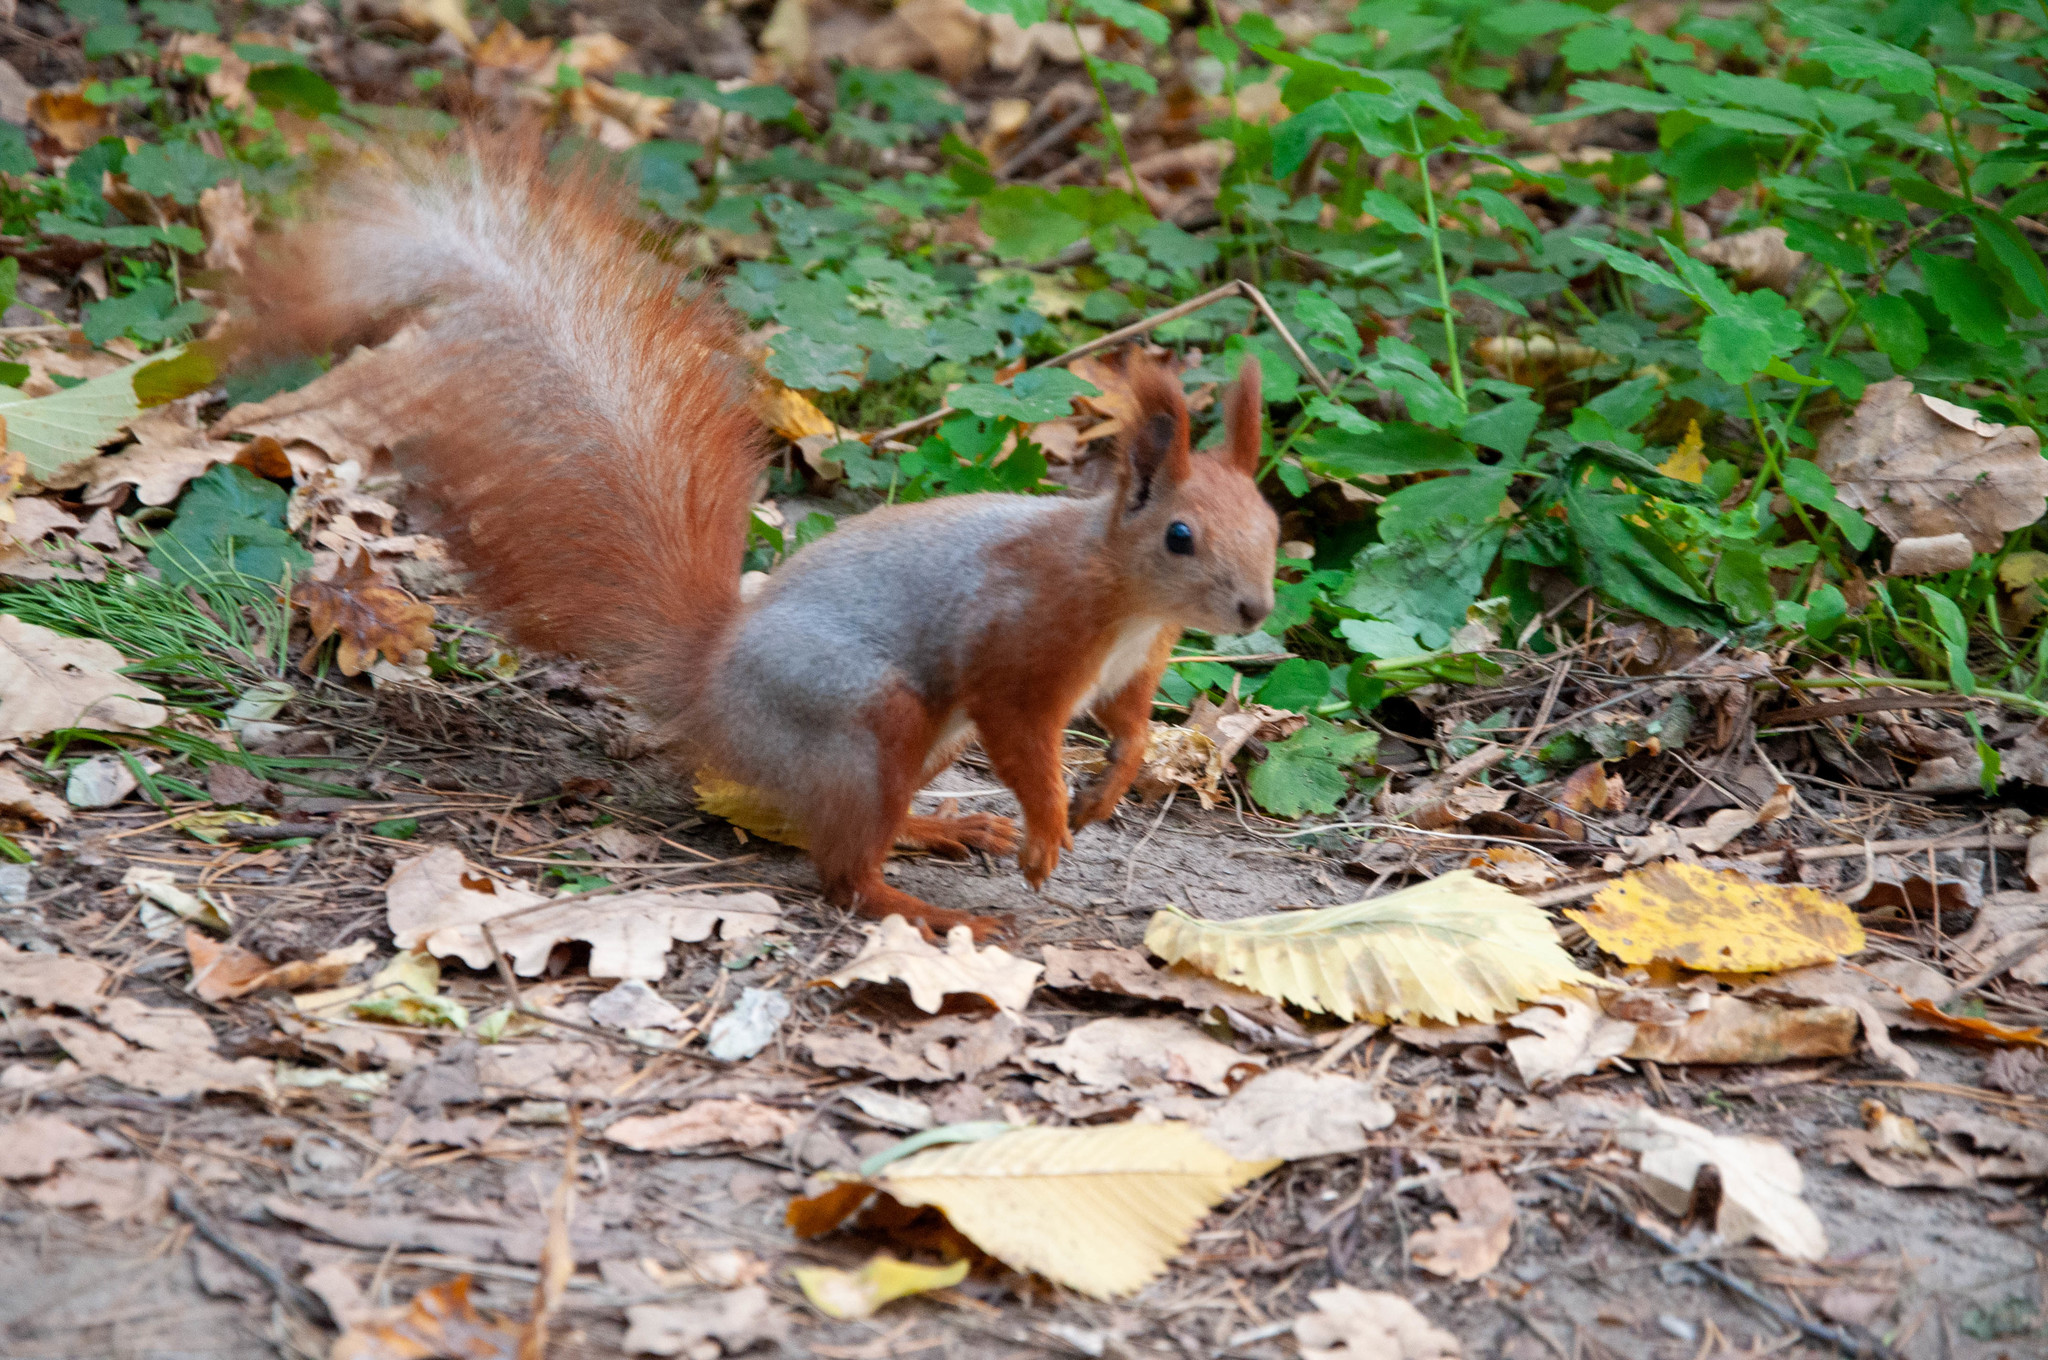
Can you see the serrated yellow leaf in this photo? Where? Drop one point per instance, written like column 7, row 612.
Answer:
column 848, row 1294
column 1454, row 946
column 1718, row 921
column 747, row 807
column 1687, row 463
column 1100, row 1210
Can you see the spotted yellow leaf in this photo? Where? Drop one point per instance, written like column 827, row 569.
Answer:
column 1454, row 946
column 1718, row 920
column 1100, row 1210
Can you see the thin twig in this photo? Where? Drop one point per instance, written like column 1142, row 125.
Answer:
column 289, row 1293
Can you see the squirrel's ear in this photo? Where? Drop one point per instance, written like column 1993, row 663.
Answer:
column 1156, row 446
column 1243, row 413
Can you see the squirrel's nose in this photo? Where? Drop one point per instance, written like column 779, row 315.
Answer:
column 1253, row 613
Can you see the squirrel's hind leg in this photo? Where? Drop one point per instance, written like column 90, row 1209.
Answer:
column 853, row 827
column 958, row 835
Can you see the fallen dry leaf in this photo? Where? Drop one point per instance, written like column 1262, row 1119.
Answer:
column 439, row 1321
column 1293, row 1113
column 19, row 798
column 1468, row 1245
column 439, row 901
column 950, row 1048
column 371, row 616
column 1454, row 946
column 1760, row 1181
column 49, row 681
column 790, row 413
column 895, row 951
column 747, row 808
column 221, row 971
column 166, row 1052
column 35, row 1145
column 69, row 119
column 1718, row 921
column 1369, row 1324
column 1122, row 1053
column 169, row 450
column 1759, row 257
column 1515, row 865
column 119, row 1187
column 740, row 1120
column 1097, row 1209
column 1731, row 1030
column 1920, row 467
column 1126, row 972
column 1877, row 1002
column 1570, row 1038
column 733, row 1320
column 847, row 1294
column 50, row 979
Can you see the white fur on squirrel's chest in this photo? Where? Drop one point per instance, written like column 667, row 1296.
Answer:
column 1127, row 656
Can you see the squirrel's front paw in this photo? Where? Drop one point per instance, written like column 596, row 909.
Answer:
column 1094, row 803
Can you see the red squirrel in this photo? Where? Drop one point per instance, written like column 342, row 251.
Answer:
column 582, row 412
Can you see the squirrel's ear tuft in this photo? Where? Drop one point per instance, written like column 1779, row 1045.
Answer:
column 1156, row 445
column 1243, row 414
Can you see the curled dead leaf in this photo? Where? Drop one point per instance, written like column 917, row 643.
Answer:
column 1761, row 1183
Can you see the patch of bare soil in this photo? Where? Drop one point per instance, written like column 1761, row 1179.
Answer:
column 354, row 1165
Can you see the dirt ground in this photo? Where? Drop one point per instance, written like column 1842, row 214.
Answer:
column 432, row 1167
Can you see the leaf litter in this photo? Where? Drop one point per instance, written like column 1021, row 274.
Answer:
column 366, row 1099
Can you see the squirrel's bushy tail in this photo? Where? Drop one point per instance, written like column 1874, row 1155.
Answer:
column 581, row 412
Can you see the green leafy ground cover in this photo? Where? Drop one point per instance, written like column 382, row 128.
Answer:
column 1534, row 377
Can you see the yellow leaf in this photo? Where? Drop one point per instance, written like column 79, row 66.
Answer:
column 2021, row 569
column 747, row 807
column 1454, row 946
column 1687, row 463
column 848, row 1294
column 1100, row 1210
column 445, row 16
column 407, row 991
column 1718, row 921
column 211, row 827
column 790, row 413
column 895, row 950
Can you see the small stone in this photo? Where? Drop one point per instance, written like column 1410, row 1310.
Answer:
column 1681, row 1328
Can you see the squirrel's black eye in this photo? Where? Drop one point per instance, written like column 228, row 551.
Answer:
column 1180, row 538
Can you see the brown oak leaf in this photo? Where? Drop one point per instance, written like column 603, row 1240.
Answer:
column 370, row 615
